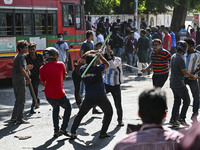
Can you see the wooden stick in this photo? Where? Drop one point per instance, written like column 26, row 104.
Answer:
column 96, row 55
column 33, row 94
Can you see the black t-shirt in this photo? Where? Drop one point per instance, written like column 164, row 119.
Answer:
column 86, row 46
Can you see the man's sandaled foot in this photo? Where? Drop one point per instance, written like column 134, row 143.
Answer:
column 13, row 120
column 73, row 136
column 64, row 132
column 57, row 134
column 102, row 136
column 22, row 122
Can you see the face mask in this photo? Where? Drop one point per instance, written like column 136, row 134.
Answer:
column 60, row 39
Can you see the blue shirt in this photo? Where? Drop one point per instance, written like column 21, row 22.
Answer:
column 86, row 46
column 94, row 86
column 173, row 39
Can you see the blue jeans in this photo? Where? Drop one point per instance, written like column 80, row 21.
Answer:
column 65, row 104
column 118, row 52
column 82, row 89
column 195, row 93
column 130, row 60
column 180, row 93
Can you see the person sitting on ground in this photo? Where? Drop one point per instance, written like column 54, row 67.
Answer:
column 152, row 110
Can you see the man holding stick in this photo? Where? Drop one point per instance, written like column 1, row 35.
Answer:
column 36, row 60
column 95, row 93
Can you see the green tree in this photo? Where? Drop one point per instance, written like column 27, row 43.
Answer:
column 100, row 7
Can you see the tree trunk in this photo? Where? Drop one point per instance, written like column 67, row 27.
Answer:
column 179, row 16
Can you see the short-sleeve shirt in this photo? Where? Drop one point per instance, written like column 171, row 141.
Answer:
column 94, row 85
column 182, row 34
column 62, row 48
column 100, row 38
column 37, row 63
column 177, row 66
column 86, row 46
column 52, row 74
column 166, row 39
column 19, row 61
column 173, row 39
column 160, row 61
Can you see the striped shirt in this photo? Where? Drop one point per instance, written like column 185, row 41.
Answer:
column 114, row 74
column 192, row 61
column 150, row 138
column 160, row 61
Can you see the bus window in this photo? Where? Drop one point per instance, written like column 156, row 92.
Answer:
column 40, row 24
column 6, row 23
column 79, row 17
column 52, row 27
column 68, row 15
column 18, row 24
column 27, row 24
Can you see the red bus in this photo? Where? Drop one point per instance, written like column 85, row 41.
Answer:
column 39, row 21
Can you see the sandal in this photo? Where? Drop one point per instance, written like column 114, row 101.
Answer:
column 57, row 134
column 73, row 136
column 102, row 136
column 22, row 122
column 64, row 133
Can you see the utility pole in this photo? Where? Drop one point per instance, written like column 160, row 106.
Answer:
column 135, row 13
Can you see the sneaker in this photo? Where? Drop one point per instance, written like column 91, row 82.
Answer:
column 174, row 123
column 120, row 123
column 32, row 111
column 183, row 122
column 22, row 122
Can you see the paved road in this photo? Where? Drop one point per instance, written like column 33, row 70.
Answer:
column 41, row 127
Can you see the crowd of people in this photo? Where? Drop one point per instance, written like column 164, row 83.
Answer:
column 154, row 49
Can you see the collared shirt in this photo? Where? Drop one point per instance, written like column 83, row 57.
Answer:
column 37, row 63
column 114, row 74
column 160, row 61
column 62, row 48
column 150, row 137
column 192, row 61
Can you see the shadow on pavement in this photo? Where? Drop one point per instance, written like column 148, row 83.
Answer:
column 95, row 143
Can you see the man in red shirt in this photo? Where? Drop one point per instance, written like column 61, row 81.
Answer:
column 167, row 39
column 52, row 75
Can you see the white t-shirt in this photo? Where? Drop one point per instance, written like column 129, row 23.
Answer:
column 62, row 48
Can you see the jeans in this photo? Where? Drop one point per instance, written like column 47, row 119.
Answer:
column 19, row 90
column 35, row 84
column 118, row 51
column 116, row 93
column 103, row 103
column 180, row 93
column 149, row 55
column 195, row 93
column 130, row 61
column 159, row 80
column 65, row 104
column 82, row 90
column 77, row 82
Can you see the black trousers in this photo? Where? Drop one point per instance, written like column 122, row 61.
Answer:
column 103, row 103
column 116, row 93
column 159, row 80
column 77, row 81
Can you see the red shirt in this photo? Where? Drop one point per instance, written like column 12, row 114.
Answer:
column 166, row 38
column 52, row 74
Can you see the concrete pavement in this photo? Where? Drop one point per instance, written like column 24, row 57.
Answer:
column 41, row 126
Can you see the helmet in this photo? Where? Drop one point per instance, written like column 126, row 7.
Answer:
column 50, row 52
column 198, row 47
column 183, row 45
